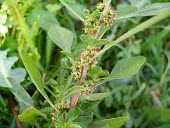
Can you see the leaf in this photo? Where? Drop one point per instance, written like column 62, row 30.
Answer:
column 85, row 120
column 150, row 10
column 79, row 124
column 2, row 100
column 30, row 115
column 72, row 91
column 97, row 96
column 75, row 9
column 73, row 126
column 124, row 68
column 5, row 70
column 100, row 125
column 52, row 82
column 45, row 18
column 93, row 41
column 98, row 71
column 128, row 66
column 24, row 99
column 34, row 75
column 70, row 56
column 125, row 10
column 165, row 114
column 115, row 122
column 72, row 114
column 61, row 37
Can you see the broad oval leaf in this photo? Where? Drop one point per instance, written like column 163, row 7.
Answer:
column 99, row 125
column 72, row 114
column 116, row 122
column 30, row 115
column 124, row 68
column 97, row 96
column 61, row 37
column 127, row 66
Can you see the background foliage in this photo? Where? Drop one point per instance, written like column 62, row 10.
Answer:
column 144, row 97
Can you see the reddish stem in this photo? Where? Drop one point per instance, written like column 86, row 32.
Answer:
column 14, row 111
column 75, row 98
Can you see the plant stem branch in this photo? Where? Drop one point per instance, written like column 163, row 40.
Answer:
column 12, row 105
column 106, row 7
column 75, row 98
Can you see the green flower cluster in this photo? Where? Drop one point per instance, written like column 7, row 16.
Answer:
column 108, row 18
column 86, row 60
column 100, row 6
column 60, row 105
column 97, row 19
column 90, row 84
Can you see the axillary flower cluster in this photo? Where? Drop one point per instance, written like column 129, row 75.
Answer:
column 87, row 59
column 99, row 18
column 85, row 62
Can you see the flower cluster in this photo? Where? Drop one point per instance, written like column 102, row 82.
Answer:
column 59, row 105
column 91, row 26
column 90, row 87
column 100, row 6
column 98, row 18
column 86, row 60
column 108, row 18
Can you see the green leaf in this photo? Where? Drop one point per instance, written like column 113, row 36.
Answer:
column 24, row 99
column 30, row 115
column 2, row 100
column 70, row 56
column 125, row 68
column 115, row 122
column 75, row 9
column 98, row 71
column 125, row 10
column 52, row 82
column 73, row 126
column 85, row 120
column 45, row 18
column 93, row 41
column 72, row 91
column 34, row 75
column 6, row 64
column 79, row 124
column 100, row 125
column 150, row 10
column 165, row 114
column 72, row 115
column 61, row 37
column 97, row 96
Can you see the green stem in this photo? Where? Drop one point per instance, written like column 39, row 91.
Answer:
column 135, row 30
